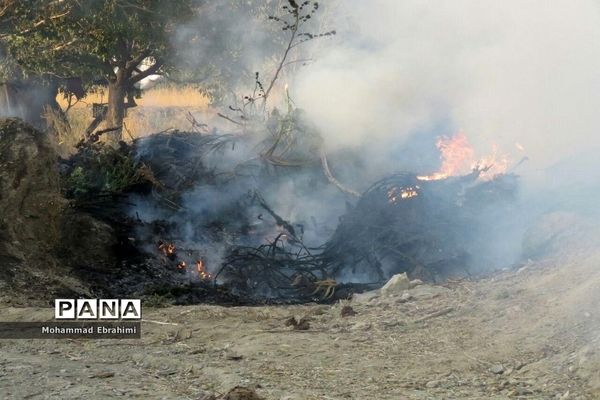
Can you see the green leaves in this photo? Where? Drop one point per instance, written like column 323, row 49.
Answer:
column 87, row 38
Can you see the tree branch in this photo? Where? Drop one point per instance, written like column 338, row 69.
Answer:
column 283, row 60
column 35, row 24
column 302, row 60
column 229, row 119
column 332, row 179
column 134, row 62
column 63, row 45
column 144, row 74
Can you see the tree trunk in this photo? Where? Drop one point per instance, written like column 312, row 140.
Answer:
column 117, row 90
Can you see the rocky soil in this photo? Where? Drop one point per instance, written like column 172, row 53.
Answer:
column 532, row 332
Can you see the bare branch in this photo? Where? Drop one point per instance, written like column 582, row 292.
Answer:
column 302, row 60
column 283, row 59
column 229, row 119
column 132, row 64
column 332, row 179
column 144, row 74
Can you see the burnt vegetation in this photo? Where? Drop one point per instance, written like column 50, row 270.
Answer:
column 200, row 216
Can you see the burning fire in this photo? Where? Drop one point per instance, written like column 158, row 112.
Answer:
column 201, row 269
column 168, row 249
column 458, row 158
column 395, row 194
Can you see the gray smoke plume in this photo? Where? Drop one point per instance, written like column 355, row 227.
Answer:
column 519, row 77
column 505, row 72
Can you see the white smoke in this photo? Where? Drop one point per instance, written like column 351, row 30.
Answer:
column 503, row 71
column 512, row 73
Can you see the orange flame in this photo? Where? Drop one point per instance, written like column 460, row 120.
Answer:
column 201, row 269
column 458, row 158
column 168, row 249
column 395, row 194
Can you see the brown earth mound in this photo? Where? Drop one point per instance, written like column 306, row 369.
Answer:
column 51, row 246
column 32, row 212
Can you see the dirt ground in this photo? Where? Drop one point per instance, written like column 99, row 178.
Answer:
column 532, row 332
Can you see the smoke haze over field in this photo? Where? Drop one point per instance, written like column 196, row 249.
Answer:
column 504, row 72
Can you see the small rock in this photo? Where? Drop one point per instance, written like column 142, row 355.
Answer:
column 362, row 326
column 234, row 357
column 103, row 375
column 432, row 384
column 242, row 393
column 497, row 369
column 199, row 350
column 302, row 325
column 166, row 372
column 397, row 284
column 298, row 325
column 406, row 296
column 415, row 282
column 347, row 311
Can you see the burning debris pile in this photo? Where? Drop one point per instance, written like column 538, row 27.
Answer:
column 401, row 224
column 176, row 162
column 169, row 252
column 431, row 227
column 235, row 213
column 424, row 228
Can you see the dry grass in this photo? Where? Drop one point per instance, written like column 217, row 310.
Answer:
column 169, row 96
column 160, row 108
column 67, row 133
column 160, row 96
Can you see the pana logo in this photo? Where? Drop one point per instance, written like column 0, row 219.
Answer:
column 98, row 309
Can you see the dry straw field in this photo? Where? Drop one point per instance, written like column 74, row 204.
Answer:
column 160, row 108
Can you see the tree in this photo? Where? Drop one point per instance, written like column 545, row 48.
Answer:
column 25, row 94
column 123, row 35
column 118, row 41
